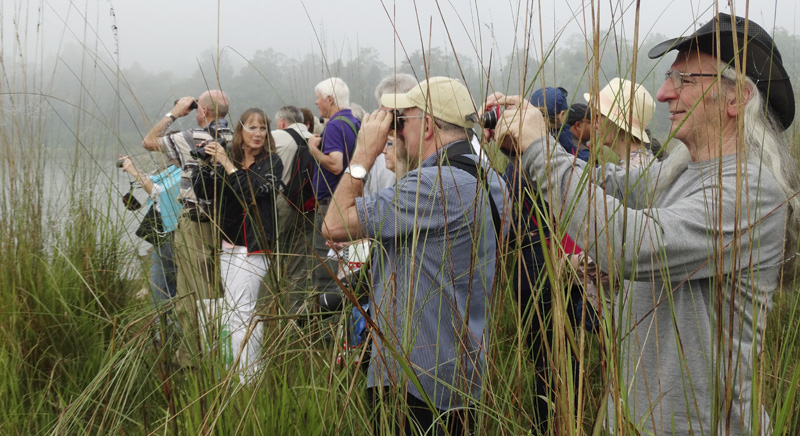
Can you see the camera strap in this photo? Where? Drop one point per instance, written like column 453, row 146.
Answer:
column 457, row 155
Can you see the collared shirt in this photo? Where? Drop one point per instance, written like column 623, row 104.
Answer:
column 177, row 146
column 432, row 277
column 337, row 136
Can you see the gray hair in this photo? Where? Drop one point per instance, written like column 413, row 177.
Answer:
column 457, row 132
column 395, row 84
column 290, row 114
column 336, row 88
column 357, row 110
column 766, row 142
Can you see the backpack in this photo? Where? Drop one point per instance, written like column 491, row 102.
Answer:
column 300, row 191
column 456, row 156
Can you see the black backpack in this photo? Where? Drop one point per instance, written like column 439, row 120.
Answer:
column 300, row 191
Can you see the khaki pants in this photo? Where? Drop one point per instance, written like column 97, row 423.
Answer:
column 198, row 278
column 293, row 255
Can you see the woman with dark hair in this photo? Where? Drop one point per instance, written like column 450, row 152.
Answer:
column 246, row 181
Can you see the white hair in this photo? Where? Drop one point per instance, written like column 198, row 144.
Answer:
column 336, row 88
column 395, row 84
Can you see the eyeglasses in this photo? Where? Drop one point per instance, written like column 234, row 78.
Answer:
column 678, row 78
column 254, row 129
column 399, row 120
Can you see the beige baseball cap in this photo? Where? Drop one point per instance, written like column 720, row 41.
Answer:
column 444, row 98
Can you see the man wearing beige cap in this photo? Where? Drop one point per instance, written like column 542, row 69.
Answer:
column 433, row 273
column 626, row 109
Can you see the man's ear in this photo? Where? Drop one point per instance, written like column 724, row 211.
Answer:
column 561, row 117
column 733, row 105
column 430, row 127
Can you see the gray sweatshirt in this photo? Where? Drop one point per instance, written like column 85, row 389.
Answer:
column 700, row 262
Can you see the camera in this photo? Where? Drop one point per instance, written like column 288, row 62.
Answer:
column 491, row 116
column 120, row 162
column 199, row 152
column 129, row 201
column 192, row 106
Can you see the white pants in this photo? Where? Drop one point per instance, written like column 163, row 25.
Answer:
column 242, row 277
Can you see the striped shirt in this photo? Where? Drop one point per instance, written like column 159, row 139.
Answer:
column 432, row 278
column 177, row 147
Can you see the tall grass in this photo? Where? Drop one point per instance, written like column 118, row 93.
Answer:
column 78, row 353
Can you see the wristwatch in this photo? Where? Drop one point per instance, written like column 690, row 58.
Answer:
column 357, row 172
column 169, row 115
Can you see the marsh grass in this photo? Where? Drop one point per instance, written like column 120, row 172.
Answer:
column 78, row 353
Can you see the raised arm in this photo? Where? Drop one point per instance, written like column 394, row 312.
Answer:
column 151, row 141
column 341, row 222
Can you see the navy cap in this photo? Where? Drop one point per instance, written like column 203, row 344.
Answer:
column 551, row 99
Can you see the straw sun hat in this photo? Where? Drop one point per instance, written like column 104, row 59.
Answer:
column 615, row 103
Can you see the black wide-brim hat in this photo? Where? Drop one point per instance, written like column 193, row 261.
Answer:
column 764, row 63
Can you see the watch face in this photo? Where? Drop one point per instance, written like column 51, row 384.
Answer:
column 358, row 171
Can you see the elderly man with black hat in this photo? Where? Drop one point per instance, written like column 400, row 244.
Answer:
column 438, row 231
column 701, row 242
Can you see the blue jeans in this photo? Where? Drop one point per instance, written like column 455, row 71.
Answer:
column 163, row 275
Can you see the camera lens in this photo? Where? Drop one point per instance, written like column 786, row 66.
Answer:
column 489, row 120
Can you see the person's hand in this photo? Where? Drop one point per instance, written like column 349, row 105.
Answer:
column 181, row 108
column 373, row 136
column 315, row 141
column 337, row 246
column 218, row 155
column 521, row 122
column 491, row 101
column 128, row 167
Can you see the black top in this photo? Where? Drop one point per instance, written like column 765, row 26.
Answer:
column 244, row 204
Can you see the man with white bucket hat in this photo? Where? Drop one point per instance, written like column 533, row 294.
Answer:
column 625, row 109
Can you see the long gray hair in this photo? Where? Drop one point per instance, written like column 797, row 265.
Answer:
column 765, row 141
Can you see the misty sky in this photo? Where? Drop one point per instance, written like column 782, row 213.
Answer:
column 170, row 34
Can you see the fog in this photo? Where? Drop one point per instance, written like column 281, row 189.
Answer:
column 169, row 35
column 119, row 65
